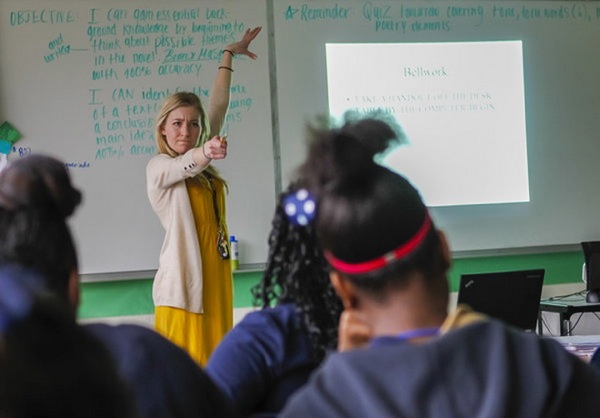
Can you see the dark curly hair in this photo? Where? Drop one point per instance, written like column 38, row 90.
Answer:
column 297, row 273
column 36, row 199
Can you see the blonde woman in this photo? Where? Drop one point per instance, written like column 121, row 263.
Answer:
column 192, row 289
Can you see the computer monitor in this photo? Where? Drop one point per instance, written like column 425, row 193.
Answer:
column 510, row 296
column 591, row 253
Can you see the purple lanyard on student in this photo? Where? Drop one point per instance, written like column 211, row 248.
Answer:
column 405, row 336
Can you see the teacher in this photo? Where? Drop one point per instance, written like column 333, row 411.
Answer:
column 193, row 289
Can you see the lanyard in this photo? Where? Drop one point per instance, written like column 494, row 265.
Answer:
column 222, row 243
column 214, row 199
column 405, row 336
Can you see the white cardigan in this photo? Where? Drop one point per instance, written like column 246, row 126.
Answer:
column 178, row 281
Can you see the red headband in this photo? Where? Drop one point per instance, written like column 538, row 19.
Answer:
column 384, row 260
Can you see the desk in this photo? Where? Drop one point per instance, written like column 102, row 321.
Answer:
column 583, row 346
column 565, row 308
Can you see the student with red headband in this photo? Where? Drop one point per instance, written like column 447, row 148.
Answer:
column 403, row 354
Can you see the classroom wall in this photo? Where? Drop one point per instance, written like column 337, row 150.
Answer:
column 134, row 297
column 105, row 66
column 131, row 300
column 40, row 75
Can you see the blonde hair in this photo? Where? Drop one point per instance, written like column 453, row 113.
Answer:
column 175, row 101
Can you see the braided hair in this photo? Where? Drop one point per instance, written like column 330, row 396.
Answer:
column 297, row 273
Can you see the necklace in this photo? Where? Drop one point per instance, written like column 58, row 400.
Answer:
column 406, row 336
column 222, row 242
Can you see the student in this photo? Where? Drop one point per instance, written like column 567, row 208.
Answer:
column 192, row 288
column 271, row 352
column 36, row 199
column 389, row 265
column 49, row 365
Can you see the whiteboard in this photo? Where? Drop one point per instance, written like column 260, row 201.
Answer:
column 55, row 98
column 83, row 80
column 562, row 93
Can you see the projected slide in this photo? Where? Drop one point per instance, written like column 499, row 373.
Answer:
column 461, row 106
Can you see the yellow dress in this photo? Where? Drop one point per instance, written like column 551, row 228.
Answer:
column 199, row 334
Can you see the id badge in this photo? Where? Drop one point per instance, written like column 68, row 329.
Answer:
column 223, row 246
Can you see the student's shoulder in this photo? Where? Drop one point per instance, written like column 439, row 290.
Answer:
column 264, row 330
column 332, row 389
column 165, row 379
column 130, row 340
column 282, row 317
column 140, row 351
column 109, row 331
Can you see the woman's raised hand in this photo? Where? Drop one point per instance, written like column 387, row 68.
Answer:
column 241, row 47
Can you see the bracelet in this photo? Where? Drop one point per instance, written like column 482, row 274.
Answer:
column 230, row 51
column 203, row 152
column 226, row 68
